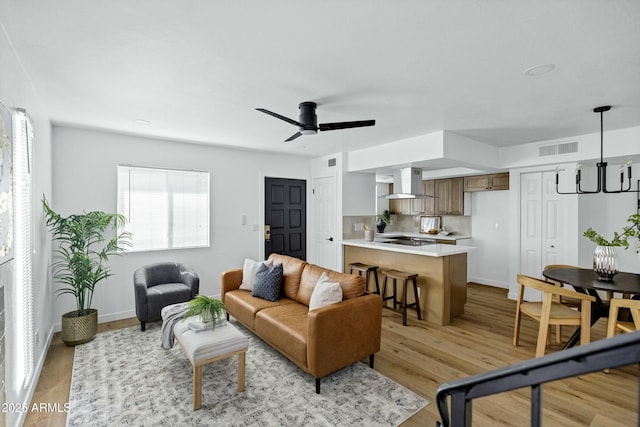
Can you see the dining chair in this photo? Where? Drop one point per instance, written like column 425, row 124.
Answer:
column 614, row 325
column 549, row 312
column 568, row 301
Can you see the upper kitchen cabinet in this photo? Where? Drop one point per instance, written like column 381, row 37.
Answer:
column 496, row 181
column 449, row 196
column 405, row 206
column 429, row 204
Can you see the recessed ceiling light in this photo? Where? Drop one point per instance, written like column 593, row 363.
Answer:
column 539, row 70
column 142, row 122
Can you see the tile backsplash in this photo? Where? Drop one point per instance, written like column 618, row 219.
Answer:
column 461, row 225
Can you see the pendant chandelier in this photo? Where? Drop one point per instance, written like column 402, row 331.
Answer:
column 601, row 186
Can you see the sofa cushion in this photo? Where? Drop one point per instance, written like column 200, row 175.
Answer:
column 285, row 328
column 249, row 270
column 292, row 271
column 351, row 284
column 268, row 283
column 326, row 292
column 243, row 306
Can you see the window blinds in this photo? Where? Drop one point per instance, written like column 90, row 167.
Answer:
column 23, row 223
column 165, row 208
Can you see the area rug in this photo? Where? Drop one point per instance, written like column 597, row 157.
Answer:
column 124, row 377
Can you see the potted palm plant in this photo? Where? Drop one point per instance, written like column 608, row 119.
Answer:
column 209, row 309
column 81, row 262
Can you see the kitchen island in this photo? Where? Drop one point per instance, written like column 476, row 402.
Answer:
column 441, row 269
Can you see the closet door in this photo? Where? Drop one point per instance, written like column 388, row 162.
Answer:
column 540, row 223
column 552, row 208
column 531, row 224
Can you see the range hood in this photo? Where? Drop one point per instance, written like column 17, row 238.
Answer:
column 407, row 184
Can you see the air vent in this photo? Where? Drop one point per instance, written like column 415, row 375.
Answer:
column 331, row 162
column 556, row 149
column 547, row 150
column 568, row 147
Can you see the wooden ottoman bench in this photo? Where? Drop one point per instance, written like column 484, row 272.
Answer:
column 208, row 346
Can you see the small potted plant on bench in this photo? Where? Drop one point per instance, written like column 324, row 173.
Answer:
column 209, row 309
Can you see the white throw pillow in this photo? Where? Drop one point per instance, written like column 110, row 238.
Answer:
column 249, row 271
column 325, row 293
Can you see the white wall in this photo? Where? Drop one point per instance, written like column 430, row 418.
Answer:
column 358, row 194
column 490, row 235
column 16, row 91
column 84, row 177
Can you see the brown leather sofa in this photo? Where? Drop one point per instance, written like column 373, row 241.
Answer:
column 319, row 341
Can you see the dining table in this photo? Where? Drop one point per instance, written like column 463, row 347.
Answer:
column 586, row 281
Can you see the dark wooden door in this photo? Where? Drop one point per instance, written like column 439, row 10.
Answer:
column 286, row 217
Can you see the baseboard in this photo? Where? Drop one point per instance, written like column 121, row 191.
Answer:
column 488, row 282
column 513, row 296
column 103, row 318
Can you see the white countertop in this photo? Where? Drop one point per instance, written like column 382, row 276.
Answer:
column 392, row 234
column 435, row 250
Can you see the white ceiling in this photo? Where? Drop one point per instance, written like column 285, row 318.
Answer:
column 198, row 69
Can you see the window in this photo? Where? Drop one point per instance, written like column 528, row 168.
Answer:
column 165, row 208
column 23, row 246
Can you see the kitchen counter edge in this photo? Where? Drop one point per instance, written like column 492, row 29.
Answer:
column 392, row 234
column 435, row 250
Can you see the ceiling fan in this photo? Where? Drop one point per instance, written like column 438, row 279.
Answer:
column 308, row 121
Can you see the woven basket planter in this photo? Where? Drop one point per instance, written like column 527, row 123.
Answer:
column 79, row 329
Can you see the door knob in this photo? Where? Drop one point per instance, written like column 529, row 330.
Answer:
column 329, row 239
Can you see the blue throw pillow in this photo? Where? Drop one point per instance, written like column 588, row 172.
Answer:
column 268, row 283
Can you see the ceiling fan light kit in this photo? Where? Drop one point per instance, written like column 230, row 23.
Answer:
column 308, row 121
column 601, row 186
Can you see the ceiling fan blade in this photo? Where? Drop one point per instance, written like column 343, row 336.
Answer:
column 278, row 116
column 292, row 137
column 346, row 125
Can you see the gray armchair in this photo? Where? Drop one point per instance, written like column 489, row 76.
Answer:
column 161, row 284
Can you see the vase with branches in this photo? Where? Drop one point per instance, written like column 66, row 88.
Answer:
column 383, row 219
column 604, row 258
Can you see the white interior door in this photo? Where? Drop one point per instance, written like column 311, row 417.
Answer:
column 326, row 240
column 541, row 223
column 552, row 242
column 531, row 224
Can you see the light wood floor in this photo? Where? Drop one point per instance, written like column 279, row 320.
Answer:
column 421, row 356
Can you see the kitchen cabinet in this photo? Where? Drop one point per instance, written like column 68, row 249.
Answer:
column 429, row 204
column 491, row 182
column 395, row 205
column 449, row 196
column 405, row 206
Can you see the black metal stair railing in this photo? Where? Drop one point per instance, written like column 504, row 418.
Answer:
column 621, row 350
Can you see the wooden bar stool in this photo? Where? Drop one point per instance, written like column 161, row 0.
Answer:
column 366, row 269
column 404, row 278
